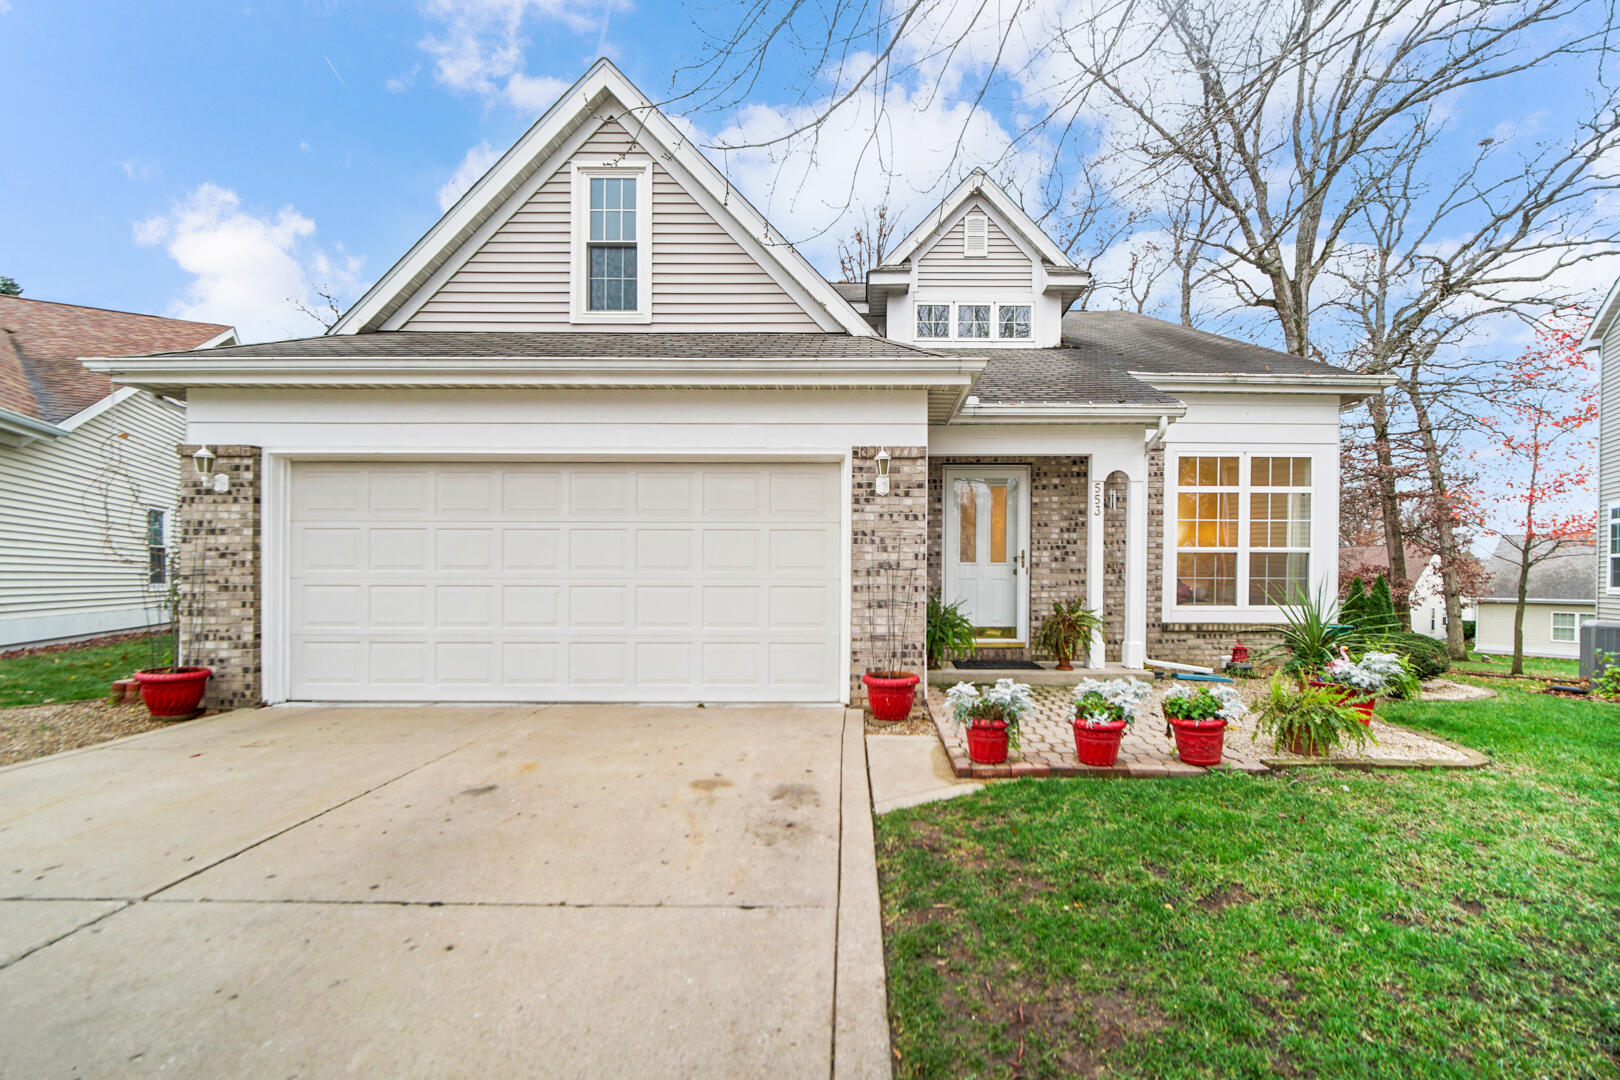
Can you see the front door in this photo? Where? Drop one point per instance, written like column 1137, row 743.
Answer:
column 986, row 549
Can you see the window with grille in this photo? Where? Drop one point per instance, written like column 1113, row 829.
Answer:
column 1242, row 530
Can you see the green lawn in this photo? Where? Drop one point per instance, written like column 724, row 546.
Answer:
column 1330, row 923
column 76, row 674
column 1545, row 667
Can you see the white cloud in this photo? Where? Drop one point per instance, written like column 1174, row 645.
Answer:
column 248, row 269
column 402, row 82
column 480, row 45
column 135, row 168
column 474, row 165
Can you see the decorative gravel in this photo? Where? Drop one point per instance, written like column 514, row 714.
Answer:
column 32, row 731
column 1048, row 741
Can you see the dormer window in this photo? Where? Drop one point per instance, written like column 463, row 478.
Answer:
column 612, row 265
column 975, row 236
column 1012, row 320
column 933, row 320
column 972, row 321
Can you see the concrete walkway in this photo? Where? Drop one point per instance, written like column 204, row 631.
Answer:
column 551, row 891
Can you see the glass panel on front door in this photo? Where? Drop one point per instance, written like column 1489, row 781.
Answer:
column 989, row 553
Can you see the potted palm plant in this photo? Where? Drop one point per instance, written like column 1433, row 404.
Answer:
column 1065, row 631
column 1199, row 717
column 947, row 631
column 1310, row 637
column 991, row 717
column 1102, row 710
column 1310, row 720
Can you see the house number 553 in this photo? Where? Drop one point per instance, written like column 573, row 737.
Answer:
column 1097, row 498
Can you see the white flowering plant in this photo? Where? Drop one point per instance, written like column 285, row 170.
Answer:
column 1376, row 674
column 1006, row 701
column 1216, row 701
column 1105, row 701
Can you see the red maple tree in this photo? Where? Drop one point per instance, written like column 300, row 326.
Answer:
column 1542, row 440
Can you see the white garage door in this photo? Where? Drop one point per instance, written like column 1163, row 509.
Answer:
column 505, row 581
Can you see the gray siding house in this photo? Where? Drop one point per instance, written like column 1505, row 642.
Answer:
column 1604, row 337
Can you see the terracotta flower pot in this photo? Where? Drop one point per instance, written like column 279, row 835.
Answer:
column 987, row 741
column 1347, row 696
column 1199, row 742
column 173, row 692
column 1098, row 744
column 1302, row 745
column 889, row 694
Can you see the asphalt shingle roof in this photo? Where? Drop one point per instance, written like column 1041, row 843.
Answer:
column 470, row 345
column 1059, row 377
column 1569, row 575
column 41, row 342
column 1131, row 342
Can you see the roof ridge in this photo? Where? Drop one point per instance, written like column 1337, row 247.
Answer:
column 113, row 311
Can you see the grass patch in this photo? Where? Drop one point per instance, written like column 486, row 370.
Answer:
column 77, row 674
column 1324, row 923
column 1540, row 667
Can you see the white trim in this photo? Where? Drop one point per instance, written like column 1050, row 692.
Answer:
column 275, row 496
column 227, row 338
column 978, row 183
column 1065, row 412
column 95, row 409
column 1605, row 315
column 579, row 243
column 1262, row 384
column 1552, row 626
column 675, row 152
column 1613, row 551
column 978, row 221
column 17, row 429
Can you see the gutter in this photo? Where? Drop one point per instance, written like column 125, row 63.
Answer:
column 17, row 429
column 1065, row 413
column 1262, row 383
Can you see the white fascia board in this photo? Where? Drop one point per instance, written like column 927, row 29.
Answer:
column 1016, row 221
column 1066, row 413
column 1355, row 386
column 17, row 429
column 675, row 152
column 1604, row 317
column 229, row 337
column 90, row 412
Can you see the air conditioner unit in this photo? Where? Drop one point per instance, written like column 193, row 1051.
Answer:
column 1597, row 640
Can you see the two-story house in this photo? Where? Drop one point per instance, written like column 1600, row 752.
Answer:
column 603, row 435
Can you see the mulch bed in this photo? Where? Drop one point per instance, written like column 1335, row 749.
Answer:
column 34, row 731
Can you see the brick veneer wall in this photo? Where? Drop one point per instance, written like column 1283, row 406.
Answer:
column 219, row 572
column 1186, row 643
column 1057, row 543
column 888, row 564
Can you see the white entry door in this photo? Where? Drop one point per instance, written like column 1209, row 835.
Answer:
column 987, row 549
column 543, row 581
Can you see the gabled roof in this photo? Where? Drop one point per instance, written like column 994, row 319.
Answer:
column 41, row 342
column 1569, row 575
column 1141, row 343
column 979, row 185
column 1606, row 314
column 537, row 155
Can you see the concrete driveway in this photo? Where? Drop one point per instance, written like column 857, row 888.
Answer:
column 446, row 891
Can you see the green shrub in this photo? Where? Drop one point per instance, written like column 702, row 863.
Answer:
column 1470, row 629
column 947, row 631
column 1308, row 719
column 1426, row 656
column 1378, row 616
column 1354, row 602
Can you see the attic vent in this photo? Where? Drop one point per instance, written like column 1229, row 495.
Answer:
column 975, row 236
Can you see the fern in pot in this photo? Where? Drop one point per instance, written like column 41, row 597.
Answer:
column 947, row 631
column 990, row 716
column 1102, row 711
column 1065, row 631
column 1310, row 720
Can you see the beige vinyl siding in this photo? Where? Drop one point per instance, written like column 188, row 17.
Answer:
column 702, row 279
column 943, row 265
column 1608, row 603
column 73, row 522
column 1494, row 629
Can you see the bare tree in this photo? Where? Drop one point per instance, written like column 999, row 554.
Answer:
column 327, row 312
column 863, row 249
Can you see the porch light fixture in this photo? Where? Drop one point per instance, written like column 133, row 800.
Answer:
column 204, row 460
column 882, row 459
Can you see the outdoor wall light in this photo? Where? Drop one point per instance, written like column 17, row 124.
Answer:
column 203, row 459
column 882, row 459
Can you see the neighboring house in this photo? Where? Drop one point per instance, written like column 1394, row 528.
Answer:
column 1560, row 600
column 1427, row 597
column 603, row 435
column 1604, row 336
column 88, row 474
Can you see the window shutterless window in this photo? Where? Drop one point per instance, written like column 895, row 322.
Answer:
column 973, row 320
column 1012, row 321
column 1242, row 530
column 1563, row 626
column 933, row 320
column 1614, row 547
column 611, row 253
column 157, row 547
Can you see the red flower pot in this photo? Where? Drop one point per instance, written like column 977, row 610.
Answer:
column 172, row 692
column 1098, row 744
column 987, row 742
column 1347, row 696
column 1199, row 742
column 889, row 694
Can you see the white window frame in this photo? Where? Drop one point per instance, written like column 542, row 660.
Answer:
column 1574, row 627
column 1319, row 549
column 995, row 321
column 916, row 319
column 579, row 246
column 1612, row 560
column 990, row 320
column 163, row 523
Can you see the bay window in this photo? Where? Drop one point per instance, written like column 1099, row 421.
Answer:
column 1242, row 530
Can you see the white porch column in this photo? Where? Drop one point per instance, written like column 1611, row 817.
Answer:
column 1097, row 474
column 1134, row 652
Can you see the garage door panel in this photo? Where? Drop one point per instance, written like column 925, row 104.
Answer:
column 546, row 581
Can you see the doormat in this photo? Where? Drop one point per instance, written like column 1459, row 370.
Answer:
column 1011, row 665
